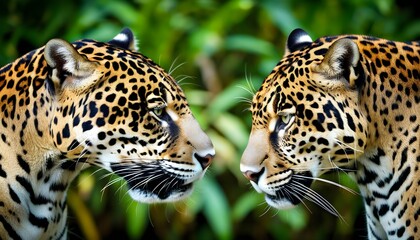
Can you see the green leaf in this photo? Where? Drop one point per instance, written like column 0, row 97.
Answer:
column 245, row 204
column 282, row 15
column 233, row 129
column 136, row 214
column 226, row 154
column 216, row 209
column 295, row 217
column 197, row 97
column 250, row 44
column 229, row 97
column 126, row 13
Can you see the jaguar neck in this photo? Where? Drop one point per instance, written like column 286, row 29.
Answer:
column 33, row 173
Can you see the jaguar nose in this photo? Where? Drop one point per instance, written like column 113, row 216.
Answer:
column 253, row 176
column 204, row 161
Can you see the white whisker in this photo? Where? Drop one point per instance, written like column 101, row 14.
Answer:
column 174, row 67
column 267, row 209
column 329, row 182
column 314, row 197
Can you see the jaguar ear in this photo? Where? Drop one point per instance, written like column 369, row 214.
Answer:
column 340, row 60
column 69, row 67
column 297, row 39
column 125, row 39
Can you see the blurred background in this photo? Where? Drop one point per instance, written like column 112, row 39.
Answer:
column 220, row 51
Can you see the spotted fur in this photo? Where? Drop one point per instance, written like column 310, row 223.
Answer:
column 341, row 102
column 67, row 106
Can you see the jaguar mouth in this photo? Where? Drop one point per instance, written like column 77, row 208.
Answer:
column 292, row 193
column 150, row 183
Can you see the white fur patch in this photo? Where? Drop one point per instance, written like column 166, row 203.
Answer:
column 121, row 37
column 303, row 38
column 70, row 63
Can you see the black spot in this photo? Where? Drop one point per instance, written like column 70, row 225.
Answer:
column 122, row 101
column 121, row 87
column 112, row 142
column 100, row 122
column 2, row 172
column 348, row 139
column 345, row 151
column 86, row 126
column 321, row 117
column 400, row 231
column 59, row 142
column 13, row 195
column 399, row 118
column 350, row 122
column 101, row 135
column 76, row 121
column 321, row 51
column 88, row 50
column 69, row 165
column 309, row 114
column 383, row 210
column 73, row 145
column 104, row 110
column 9, row 229
column 58, row 187
column 66, row 131
column 323, row 141
column 369, row 177
column 50, row 163
column 115, row 66
column 299, row 96
column 23, row 164
column 93, row 109
column 110, row 98
column 331, row 126
column 98, row 96
column 318, row 126
column 37, row 221
column 101, row 147
column 123, row 66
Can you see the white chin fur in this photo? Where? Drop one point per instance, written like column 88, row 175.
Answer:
column 146, row 197
column 279, row 204
column 256, row 187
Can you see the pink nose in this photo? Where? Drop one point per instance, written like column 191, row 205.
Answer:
column 252, row 176
column 204, row 161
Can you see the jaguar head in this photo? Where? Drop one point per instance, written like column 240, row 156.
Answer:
column 305, row 120
column 117, row 109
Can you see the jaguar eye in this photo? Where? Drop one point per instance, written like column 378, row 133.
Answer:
column 284, row 122
column 158, row 111
column 286, row 118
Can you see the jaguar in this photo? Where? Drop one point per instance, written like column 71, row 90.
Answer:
column 341, row 103
column 67, row 106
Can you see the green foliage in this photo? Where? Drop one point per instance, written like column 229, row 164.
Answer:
column 220, row 51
